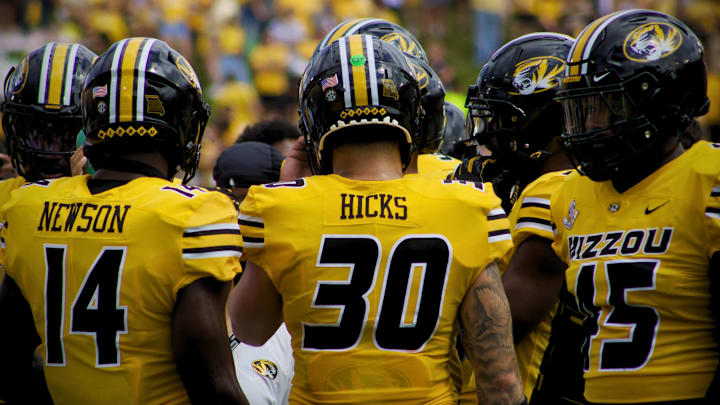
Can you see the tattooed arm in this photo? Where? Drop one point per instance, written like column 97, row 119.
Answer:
column 488, row 342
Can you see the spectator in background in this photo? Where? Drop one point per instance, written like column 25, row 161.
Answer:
column 264, row 372
column 246, row 164
column 269, row 62
column 279, row 134
column 487, row 28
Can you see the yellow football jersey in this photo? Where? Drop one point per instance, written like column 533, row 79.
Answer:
column 372, row 274
column 6, row 188
column 530, row 216
column 101, row 273
column 638, row 267
column 436, row 165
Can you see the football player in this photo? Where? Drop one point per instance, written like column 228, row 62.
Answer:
column 511, row 109
column 455, row 143
column 639, row 225
column 375, row 287
column 264, row 372
column 41, row 112
column 426, row 162
column 122, row 277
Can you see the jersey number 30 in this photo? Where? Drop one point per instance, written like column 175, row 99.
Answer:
column 95, row 310
column 362, row 255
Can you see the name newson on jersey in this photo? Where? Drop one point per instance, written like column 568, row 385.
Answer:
column 356, row 206
column 652, row 241
column 82, row 217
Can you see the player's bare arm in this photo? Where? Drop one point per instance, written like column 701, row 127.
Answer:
column 17, row 345
column 532, row 282
column 256, row 302
column 487, row 339
column 296, row 163
column 199, row 342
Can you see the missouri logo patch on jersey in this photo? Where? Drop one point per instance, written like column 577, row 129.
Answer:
column 265, row 368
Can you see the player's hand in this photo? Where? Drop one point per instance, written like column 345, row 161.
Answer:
column 479, row 169
column 296, row 164
column 6, row 168
column 77, row 162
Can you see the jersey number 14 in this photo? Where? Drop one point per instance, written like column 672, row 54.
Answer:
column 95, row 310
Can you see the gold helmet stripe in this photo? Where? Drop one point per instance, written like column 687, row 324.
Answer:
column 127, row 79
column 340, row 31
column 70, row 75
column 595, row 35
column 584, row 43
column 42, row 88
column 358, row 72
column 142, row 65
column 345, row 72
column 57, row 70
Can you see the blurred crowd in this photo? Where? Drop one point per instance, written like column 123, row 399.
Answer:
column 250, row 53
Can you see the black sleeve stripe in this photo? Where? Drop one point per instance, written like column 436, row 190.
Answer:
column 499, row 232
column 535, row 220
column 212, row 249
column 495, row 217
column 712, row 210
column 212, row 232
column 534, row 204
column 251, row 223
column 250, row 239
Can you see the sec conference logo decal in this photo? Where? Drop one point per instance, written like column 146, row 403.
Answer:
column 652, row 41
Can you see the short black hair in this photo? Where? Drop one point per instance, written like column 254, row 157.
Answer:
column 269, row 132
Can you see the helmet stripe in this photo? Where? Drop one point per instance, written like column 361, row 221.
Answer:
column 579, row 46
column 57, row 70
column 127, row 79
column 358, row 72
column 593, row 38
column 339, row 32
column 70, row 75
column 113, row 80
column 362, row 23
column 140, row 103
column 372, row 74
column 345, row 72
column 42, row 89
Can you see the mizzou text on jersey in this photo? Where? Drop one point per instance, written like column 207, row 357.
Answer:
column 101, row 273
column 638, row 267
column 372, row 274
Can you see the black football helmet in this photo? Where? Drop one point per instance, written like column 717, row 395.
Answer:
column 511, row 108
column 357, row 80
column 41, row 108
column 455, row 142
column 431, row 88
column 632, row 78
column 143, row 95
column 378, row 28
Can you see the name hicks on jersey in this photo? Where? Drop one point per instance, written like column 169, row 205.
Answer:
column 82, row 217
column 358, row 206
column 625, row 243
